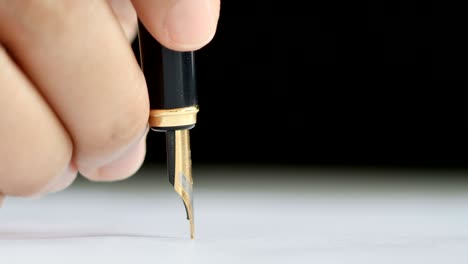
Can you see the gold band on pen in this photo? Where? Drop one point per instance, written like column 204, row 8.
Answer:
column 173, row 117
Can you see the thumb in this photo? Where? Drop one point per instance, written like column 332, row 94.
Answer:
column 181, row 25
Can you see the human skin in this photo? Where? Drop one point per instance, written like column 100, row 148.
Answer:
column 72, row 95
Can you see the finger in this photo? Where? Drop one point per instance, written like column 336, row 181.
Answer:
column 126, row 15
column 35, row 149
column 82, row 63
column 180, row 24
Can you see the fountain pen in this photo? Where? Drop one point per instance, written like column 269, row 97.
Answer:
column 170, row 79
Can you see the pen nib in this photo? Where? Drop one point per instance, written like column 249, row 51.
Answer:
column 179, row 167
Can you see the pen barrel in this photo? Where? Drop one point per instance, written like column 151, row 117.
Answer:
column 171, row 81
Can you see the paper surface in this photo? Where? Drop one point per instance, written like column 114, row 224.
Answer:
column 273, row 218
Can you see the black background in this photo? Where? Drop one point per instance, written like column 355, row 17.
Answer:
column 327, row 83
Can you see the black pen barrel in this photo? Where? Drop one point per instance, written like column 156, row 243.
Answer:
column 170, row 75
column 170, row 79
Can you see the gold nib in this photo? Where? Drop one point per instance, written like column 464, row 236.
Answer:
column 183, row 182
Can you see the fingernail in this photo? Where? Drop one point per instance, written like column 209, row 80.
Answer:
column 191, row 24
column 122, row 168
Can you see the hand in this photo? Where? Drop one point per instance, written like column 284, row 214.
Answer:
column 72, row 95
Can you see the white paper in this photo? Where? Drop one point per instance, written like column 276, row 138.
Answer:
column 277, row 216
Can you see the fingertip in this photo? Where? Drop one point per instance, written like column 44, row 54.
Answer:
column 121, row 168
column 67, row 178
column 183, row 25
column 190, row 25
column 59, row 183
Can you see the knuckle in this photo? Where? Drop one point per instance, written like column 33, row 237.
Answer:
column 119, row 129
column 48, row 15
column 125, row 128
